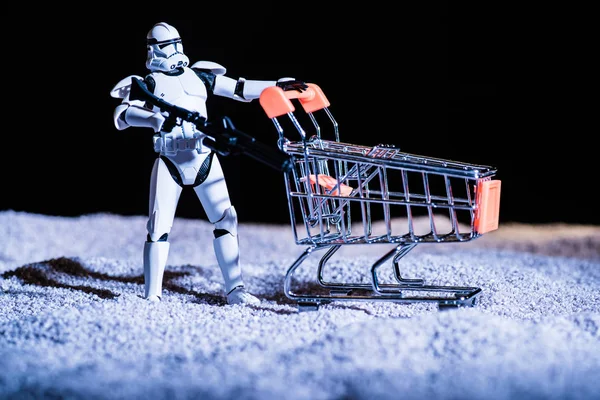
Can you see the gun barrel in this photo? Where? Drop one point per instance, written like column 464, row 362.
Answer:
column 228, row 140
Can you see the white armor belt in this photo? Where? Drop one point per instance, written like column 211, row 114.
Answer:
column 169, row 145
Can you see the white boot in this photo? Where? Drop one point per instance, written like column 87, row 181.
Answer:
column 239, row 296
column 228, row 257
column 155, row 259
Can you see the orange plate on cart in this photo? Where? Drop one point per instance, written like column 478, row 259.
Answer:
column 489, row 206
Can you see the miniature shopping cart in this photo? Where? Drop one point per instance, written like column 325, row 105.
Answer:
column 347, row 194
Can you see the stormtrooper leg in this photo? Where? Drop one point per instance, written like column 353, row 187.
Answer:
column 228, row 256
column 227, row 249
column 164, row 196
column 155, row 259
column 214, row 197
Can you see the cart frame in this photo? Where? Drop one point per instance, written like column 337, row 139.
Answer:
column 331, row 181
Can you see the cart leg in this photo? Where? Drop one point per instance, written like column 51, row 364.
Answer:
column 459, row 296
column 449, row 297
column 305, row 303
column 287, row 284
column 398, row 252
column 401, row 252
column 322, row 263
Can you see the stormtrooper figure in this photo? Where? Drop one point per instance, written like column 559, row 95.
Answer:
column 183, row 160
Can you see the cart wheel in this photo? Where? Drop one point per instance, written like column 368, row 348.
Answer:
column 468, row 303
column 447, row 306
column 307, row 306
column 444, row 305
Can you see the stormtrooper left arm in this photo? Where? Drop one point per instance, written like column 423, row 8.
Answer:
column 133, row 112
column 241, row 89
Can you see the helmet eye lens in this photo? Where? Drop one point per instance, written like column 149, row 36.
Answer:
column 162, row 45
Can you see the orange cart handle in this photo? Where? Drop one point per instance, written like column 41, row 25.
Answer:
column 277, row 102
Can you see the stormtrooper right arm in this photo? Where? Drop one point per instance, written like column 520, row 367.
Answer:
column 133, row 112
column 246, row 90
column 241, row 89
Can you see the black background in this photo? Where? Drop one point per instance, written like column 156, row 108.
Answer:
column 436, row 81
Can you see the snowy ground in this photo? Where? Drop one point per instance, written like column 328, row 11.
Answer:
column 73, row 324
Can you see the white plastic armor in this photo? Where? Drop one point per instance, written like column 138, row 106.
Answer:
column 183, row 160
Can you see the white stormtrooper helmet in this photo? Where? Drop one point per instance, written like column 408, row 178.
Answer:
column 165, row 50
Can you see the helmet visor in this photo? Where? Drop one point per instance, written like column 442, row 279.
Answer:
column 164, row 43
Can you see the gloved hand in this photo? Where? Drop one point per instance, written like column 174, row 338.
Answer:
column 292, row 84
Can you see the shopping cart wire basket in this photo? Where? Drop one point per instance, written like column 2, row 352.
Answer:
column 348, row 194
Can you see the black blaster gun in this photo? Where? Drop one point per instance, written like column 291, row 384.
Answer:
column 225, row 138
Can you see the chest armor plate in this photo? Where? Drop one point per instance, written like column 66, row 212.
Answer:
column 185, row 90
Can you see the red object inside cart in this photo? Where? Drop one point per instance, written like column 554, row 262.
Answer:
column 330, row 184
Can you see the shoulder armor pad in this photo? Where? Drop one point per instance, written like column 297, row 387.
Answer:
column 215, row 68
column 121, row 89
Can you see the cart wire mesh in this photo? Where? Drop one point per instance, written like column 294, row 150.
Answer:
column 336, row 190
